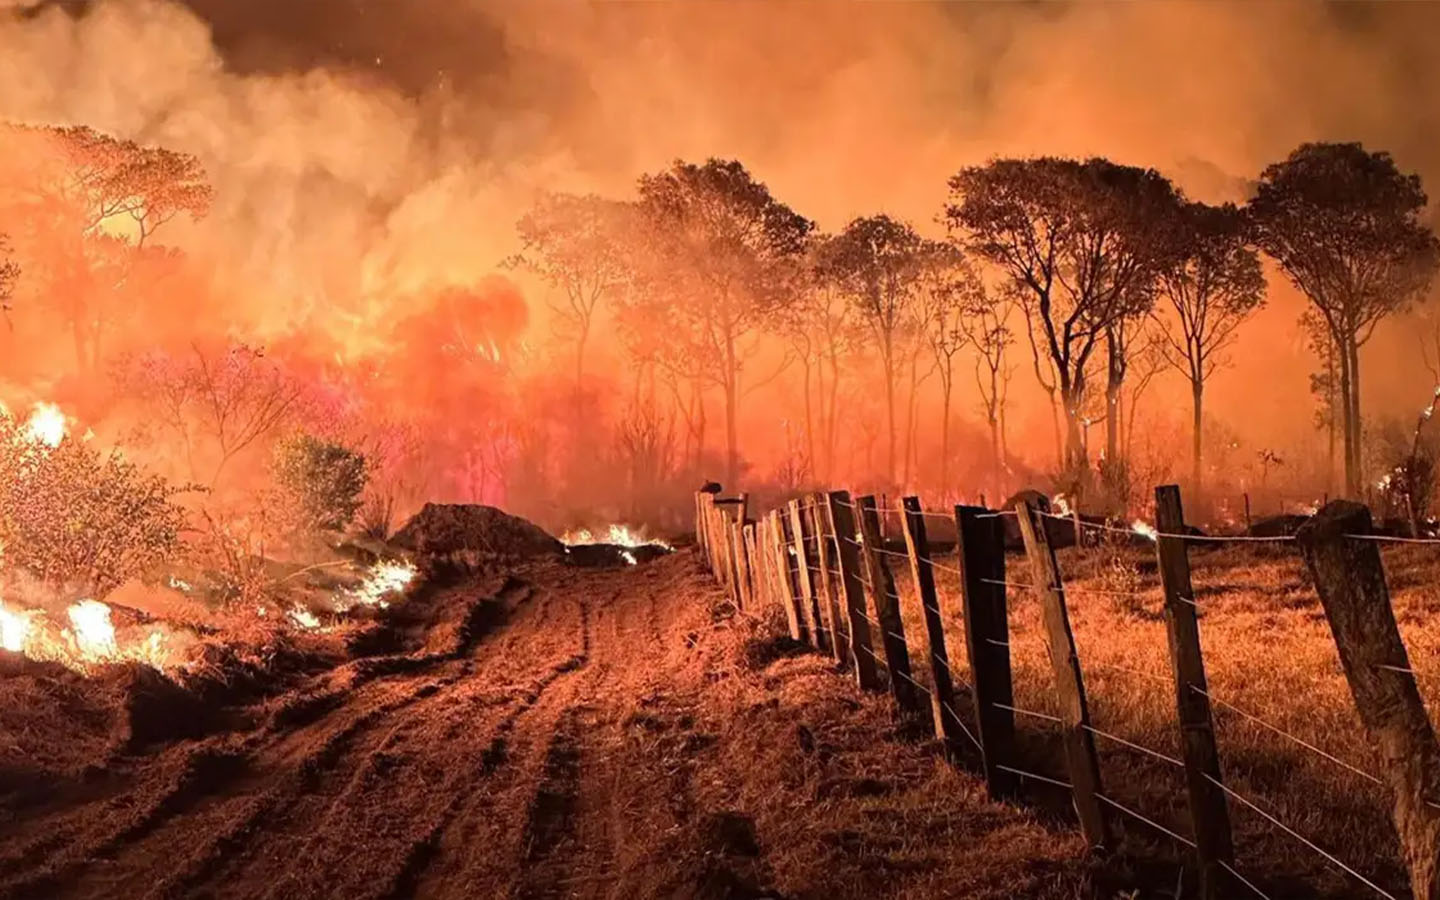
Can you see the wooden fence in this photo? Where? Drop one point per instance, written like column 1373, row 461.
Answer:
column 822, row 560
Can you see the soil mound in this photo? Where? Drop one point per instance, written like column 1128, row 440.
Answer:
column 448, row 529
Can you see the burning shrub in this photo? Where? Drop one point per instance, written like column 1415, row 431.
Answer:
column 73, row 516
column 1411, row 463
column 320, row 482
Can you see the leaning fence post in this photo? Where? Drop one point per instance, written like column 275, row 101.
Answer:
column 1351, row 583
column 981, row 552
column 700, row 521
column 1208, row 811
column 805, row 577
column 886, row 603
column 842, row 518
column 781, row 551
column 948, row 728
column 1080, row 756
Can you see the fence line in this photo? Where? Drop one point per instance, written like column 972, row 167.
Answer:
column 745, row 556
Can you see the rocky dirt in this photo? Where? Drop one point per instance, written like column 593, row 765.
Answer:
column 541, row 732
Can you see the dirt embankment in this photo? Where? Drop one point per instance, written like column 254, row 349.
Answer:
column 553, row 731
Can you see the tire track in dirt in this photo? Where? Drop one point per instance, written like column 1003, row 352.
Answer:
column 225, row 786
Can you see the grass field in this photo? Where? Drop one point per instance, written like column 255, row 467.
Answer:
column 1269, row 655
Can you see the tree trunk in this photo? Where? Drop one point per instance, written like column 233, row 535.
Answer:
column 830, row 417
column 1197, row 390
column 1075, row 461
column 945, row 386
column 809, row 422
column 1357, row 424
column 1352, row 483
column 732, row 400
column 1060, row 457
column 888, row 361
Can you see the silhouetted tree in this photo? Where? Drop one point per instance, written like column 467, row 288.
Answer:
column 574, row 244
column 9, row 274
column 985, row 324
column 726, row 253
column 1345, row 226
column 1077, row 241
column 1212, row 281
column 876, row 262
column 950, row 295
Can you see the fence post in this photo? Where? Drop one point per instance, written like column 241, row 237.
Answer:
column 740, row 589
column 752, row 565
column 1352, row 588
column 1080, row 757
column 805, row 577
column 886, row 603
column 942, row 688
column 780, row 556
column 700, row 521
column 981, row 552
column 828, row 584
column 842, row 519
column 1208, row 811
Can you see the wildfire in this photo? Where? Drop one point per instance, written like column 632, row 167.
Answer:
column 46, row 425
column 1144, row 529
column 1062, row 505
column 386, row 578
column 14, row 627
column 619, row 535
column 89, row 640
column 93, row 632
column 304, row 618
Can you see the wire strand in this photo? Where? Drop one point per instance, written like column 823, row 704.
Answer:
column 1297, row 835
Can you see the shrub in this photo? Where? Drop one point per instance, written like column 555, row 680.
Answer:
column 73, row 516
column 320, row 481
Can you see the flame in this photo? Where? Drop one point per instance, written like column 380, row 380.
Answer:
column 303, row 617
column 629, row 557
column 1062, row 504
column 385, row 578
column 619, row 535
column 93, row 632
column 46, row 425
column 14, row 628
column 1144, row 529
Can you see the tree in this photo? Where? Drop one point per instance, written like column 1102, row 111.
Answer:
column 1077, row 242
column 722, row 254
column 950, row 295
column 320, row 481
column 572, row 243
column 1345, row 225
column 876, row 262
column 1211, row 281
column 97, row 202
column 985, row 324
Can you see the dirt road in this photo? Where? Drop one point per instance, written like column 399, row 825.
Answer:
column 555, row 732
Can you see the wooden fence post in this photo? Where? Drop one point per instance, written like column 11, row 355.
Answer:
column 981, row 552
column 886, row 603
column 752, row 567
column 809, row 597
column 1351, row 583
column 700, row 521
column 948, row 726
column 829, row 582
column 780, row 558
column 842, row 518
column 1080, row 756
column 740, row 589
column 1208, row 812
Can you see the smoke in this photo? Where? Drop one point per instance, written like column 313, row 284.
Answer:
column 364, row 154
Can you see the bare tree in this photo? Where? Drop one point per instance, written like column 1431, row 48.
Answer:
column 1346, row 226
column 876, row 262
column 1077, row 241
column 573, row 244
column 985, row 325
column 1212, row 282
column 950, row 294
column 720, row 257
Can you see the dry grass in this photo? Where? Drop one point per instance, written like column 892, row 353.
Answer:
column 1268, row 651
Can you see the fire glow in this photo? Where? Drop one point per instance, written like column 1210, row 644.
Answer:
column 89, row 640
